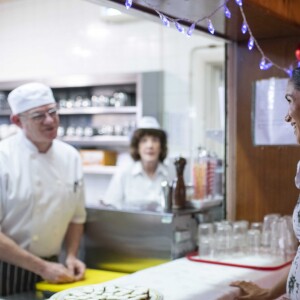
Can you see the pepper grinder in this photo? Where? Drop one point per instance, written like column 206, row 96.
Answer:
column 178, row 187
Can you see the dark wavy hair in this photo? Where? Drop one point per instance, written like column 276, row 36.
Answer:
column 295, row 79
column 140, row 133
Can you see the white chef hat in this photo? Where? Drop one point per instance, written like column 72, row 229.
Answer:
column 148, row 122
column 28, row 96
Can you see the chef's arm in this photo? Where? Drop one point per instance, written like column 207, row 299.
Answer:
column 12, row 253
column 72, row 242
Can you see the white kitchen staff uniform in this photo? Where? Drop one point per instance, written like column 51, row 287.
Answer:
column 132, row 188
column 41, row 193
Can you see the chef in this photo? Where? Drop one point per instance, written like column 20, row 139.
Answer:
column 41, row 196
column 138, row 186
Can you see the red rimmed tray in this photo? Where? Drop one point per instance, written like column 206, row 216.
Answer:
column 194, row 257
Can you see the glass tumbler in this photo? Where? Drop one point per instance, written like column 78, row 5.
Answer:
column 256, row 225
column 253, row 241
column 206, row 240
column 267, row 228
column 240, row 229
column 223, row 240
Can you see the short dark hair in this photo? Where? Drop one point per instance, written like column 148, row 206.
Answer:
column 140, row 133
column 295, row 79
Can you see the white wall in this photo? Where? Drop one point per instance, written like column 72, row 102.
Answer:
column 62, row 37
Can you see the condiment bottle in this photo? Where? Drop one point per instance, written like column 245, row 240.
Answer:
column 178, row 187
column 200, row 174
column 211, row 174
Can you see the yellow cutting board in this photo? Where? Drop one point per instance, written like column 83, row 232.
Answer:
column 91, row 277
column 131, row 265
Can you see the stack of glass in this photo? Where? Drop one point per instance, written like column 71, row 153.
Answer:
column 274, row 236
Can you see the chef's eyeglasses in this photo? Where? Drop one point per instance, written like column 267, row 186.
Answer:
column 40, row 117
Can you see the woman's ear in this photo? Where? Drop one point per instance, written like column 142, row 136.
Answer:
column 15, row 119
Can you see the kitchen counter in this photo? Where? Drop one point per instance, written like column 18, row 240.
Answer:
column 183, row 279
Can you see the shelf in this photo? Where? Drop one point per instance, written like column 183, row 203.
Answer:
column 103, row 140
column 88, row 110
column 98, row 110
column 205, row 204
column 98, row 169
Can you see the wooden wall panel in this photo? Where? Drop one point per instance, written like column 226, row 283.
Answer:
column 264, row 175
column 286, row 9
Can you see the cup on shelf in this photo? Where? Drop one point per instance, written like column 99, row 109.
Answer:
column 70, row 131
column 78, row 102
column 103, row 100
column 95, row 101
column 112, row 101
column 88, row 131
column 121, row 99
column 125, row 130
column 79, row 131
column 70, row 103
column 62, row 103
column 86, row 102
column 118, row 129
column 60, row 131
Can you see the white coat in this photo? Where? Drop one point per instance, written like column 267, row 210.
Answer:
column 131, row 188
column 40, row 193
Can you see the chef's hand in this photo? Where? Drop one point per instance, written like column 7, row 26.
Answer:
column 76, row 267
column 56, row 273
column 251, row 291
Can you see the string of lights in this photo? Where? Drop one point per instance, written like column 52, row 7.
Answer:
column 265, row 62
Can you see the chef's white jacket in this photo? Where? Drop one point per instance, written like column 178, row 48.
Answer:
column 132, row 188
column 40, row 193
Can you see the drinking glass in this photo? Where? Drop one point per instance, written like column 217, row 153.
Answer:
column 253, row 241
column 256, row 225
column 266, row 229
column 240, row 229
column 287, row 241
column 206, row 240
column 223, row 239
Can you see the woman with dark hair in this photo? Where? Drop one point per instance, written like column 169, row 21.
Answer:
column 139, row 185
column 289, row 284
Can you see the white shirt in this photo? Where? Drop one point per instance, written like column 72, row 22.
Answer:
column 40, row 193
column 132, row 188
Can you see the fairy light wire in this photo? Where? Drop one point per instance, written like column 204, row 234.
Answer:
column 257, row 44
column 265, row 62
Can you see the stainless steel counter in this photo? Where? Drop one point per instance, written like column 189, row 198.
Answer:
column 114, row 238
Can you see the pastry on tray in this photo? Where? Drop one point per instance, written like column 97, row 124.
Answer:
column 108, row 292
